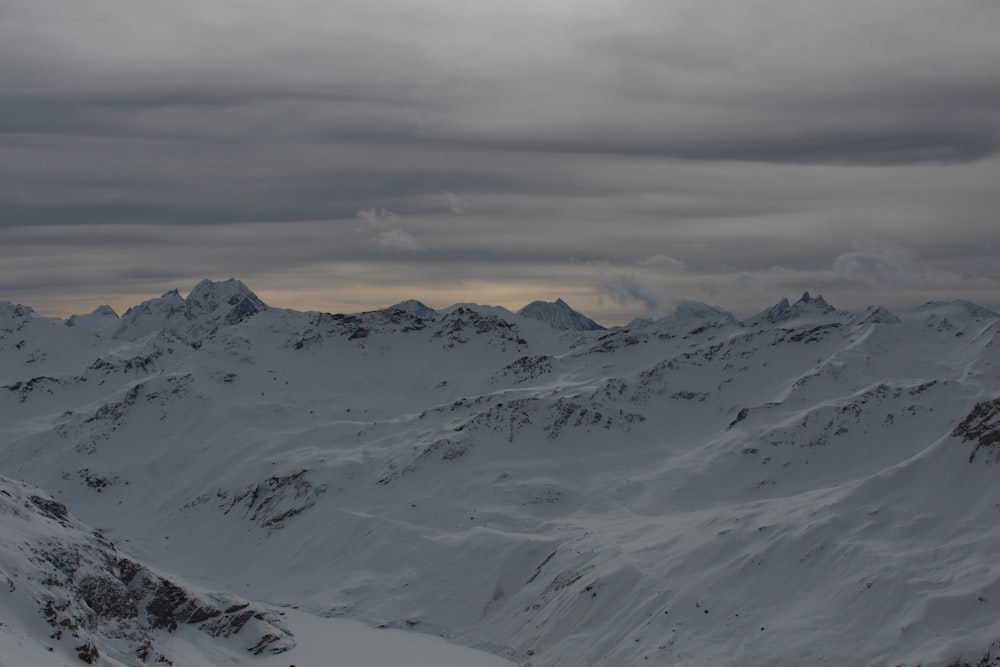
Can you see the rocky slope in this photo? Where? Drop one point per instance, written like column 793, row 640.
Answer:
column 94, row 603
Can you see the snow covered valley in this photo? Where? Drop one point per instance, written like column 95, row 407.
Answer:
column 205, row 478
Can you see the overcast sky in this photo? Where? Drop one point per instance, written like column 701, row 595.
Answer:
column 344, row 155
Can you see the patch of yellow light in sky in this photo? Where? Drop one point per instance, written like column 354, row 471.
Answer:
column 512, row 296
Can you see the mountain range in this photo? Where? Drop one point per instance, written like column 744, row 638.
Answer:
column 804, row 486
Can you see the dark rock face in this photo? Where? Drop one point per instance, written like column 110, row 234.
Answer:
column 462, row 325
column 989, row 659
column 524, row 369
column 982, row 426
column 359, row 327
column 88, row 652
column 783, row 311
column 167, row 604
column 24, row 389
column 229, row 298
column 108, row 596
column 243, row 309
column 51, row 508
column 90, row 593
column 275, row 500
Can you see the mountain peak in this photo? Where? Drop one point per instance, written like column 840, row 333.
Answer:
column 688, row 312
column 817, row 301
column 876, row 315
column 16, row 310
column 208, row 296
column 699, row 310
column 957, row 306
column 101, row 318
column 209, row 306
column 415, row 308
column 559, row 315
column 783, row 311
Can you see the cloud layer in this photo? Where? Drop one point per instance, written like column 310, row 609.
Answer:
column 732, row 150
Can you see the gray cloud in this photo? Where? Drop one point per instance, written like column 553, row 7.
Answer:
column 880, row 264
column 625, row 289
column 844, row 82
column 453, row 202
column 662, row 262
column 388, row 233
column 397, row 239
column 753, row 140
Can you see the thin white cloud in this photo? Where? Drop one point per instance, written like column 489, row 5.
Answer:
column 378, row 217
column 626, row 289
column 881, row 264
column 389, row 235
column 453, row 202
column 661, row 262
column 397, row 239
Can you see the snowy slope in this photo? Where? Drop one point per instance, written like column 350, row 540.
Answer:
column 71, row 596
column 807, row 486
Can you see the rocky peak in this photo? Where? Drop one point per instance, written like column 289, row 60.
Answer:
column 15, row 310
column 876, row 315
column 783, row 311
column 559, row 315
column 817, row 303
column 150, row 315
column 231, row 295
column 209, row 306
column 415, row 308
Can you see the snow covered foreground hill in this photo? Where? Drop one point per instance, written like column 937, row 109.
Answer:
column 807, row 486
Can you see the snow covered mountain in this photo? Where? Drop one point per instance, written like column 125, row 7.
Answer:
column 689, row 315
column 808, row 486
column 559, row 315
column 209, row 306
column 805, row 308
